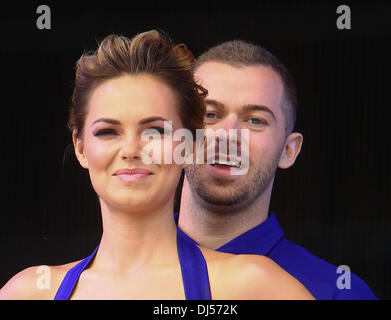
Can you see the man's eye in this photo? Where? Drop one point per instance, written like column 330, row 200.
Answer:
column 210, row 116
column 104, row 132
column 257, row 122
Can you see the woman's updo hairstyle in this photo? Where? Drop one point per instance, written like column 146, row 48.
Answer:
column 150, row 53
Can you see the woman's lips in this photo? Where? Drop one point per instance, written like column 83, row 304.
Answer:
column 126, row 175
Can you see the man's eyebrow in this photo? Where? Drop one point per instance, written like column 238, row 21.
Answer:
column 214, row 103
column 256, row 107
column 245, row 108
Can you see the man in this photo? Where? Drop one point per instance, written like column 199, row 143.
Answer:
column 250, row 89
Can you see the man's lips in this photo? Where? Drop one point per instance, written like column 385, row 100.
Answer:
column 224, row 161
column 227, row 166
column 132, row 174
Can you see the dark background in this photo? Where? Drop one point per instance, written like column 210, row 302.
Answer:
column 335, row 201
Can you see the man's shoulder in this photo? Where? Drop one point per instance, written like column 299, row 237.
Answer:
column 324, row 279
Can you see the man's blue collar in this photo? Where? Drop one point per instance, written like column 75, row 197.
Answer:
column 258, row 240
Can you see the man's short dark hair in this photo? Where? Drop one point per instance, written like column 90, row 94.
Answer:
column 239, row 53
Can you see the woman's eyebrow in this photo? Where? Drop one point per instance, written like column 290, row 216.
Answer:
column 116, row 122
column 151, row 119
column 107, row 120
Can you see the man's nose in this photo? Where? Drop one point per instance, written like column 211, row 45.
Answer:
column 230, row 122
column 231, row 129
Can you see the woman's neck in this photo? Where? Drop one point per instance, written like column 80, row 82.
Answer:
column 133, row 240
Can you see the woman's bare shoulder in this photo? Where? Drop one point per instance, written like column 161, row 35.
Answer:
column 250, row 277
column 35, row 283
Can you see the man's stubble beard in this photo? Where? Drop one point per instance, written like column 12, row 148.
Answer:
column 228, row 195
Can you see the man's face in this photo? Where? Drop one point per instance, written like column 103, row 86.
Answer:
column 241, row 98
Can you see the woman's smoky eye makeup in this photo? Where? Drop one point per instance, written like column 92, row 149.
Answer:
column 102, row 132
column 156, row 130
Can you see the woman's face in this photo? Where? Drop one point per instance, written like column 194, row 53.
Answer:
column 118, row 112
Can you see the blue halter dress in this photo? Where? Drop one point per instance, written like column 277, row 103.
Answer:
column 193, row 267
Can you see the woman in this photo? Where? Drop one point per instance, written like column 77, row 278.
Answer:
column 125, row 91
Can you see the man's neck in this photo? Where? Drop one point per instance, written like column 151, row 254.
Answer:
column 214, row 227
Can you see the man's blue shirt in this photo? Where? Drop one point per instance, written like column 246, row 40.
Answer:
column 317, row 275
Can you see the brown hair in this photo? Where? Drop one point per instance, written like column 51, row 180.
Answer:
column 239, row 53
column 149, row 52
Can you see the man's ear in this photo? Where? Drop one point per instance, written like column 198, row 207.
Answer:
column 291, row 150
column 78, row 145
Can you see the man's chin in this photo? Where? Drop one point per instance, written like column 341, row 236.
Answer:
column 214, row 195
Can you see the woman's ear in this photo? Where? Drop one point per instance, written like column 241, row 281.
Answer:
column 78, row 145
column 291, row 150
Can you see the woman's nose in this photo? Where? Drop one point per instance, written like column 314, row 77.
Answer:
column 131, row 149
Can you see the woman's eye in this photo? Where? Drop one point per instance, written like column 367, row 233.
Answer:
column 104, row 132
column 154, row 131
